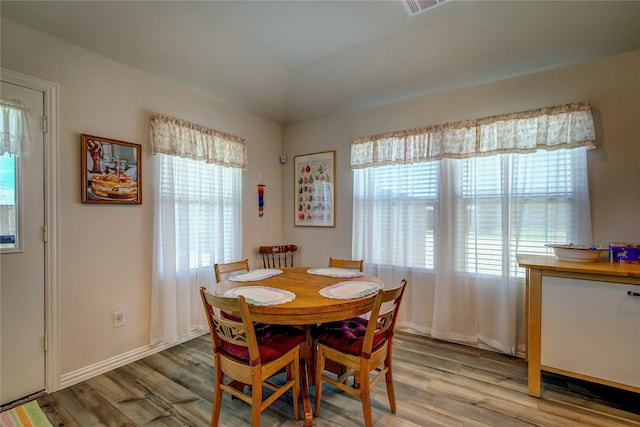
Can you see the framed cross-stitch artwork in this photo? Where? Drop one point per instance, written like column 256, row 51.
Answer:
column 314, row 187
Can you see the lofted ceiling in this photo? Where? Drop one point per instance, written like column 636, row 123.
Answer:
column 290, row 61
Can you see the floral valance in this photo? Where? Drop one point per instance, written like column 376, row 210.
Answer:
column 564, row 126
column 188, row 140
column 15, row 137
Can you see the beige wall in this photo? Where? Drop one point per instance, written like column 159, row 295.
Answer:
column 610, row 84
column 105, row 251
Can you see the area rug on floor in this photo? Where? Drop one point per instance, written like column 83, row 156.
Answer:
column 27, row 415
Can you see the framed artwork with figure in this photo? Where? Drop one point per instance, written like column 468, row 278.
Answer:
column 111, row 171
column 314, row 188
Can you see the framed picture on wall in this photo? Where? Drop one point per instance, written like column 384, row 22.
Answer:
column 314, row 188
column 111, row 171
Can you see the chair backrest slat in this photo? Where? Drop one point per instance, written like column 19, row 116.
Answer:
column 277, row 256
column 222, row 270
column 229, row 330
column 354, row 264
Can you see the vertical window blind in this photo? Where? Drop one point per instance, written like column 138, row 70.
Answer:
column 206, row 202
column 402, row 202
column 527, row 200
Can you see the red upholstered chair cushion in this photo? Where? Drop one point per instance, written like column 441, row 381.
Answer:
column 256, row 325
column 347, row 335
column 228, row 316
column 273, row 342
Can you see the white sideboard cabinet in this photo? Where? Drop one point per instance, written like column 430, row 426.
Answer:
column 583, row 321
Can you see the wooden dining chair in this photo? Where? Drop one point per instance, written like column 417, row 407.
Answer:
column 354, row 264
column 362, row 346
column 222, row 270
column 277, row 256
column 244, row 356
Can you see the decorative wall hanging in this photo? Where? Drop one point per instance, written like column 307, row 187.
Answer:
column 111, row 171
column 261, row 200
column 315, row 199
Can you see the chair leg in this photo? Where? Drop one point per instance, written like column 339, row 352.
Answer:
column 217, row 399
column 391, row 394
column 295, row 371
column 320, row 360
column 365, row 397
column 256, row 403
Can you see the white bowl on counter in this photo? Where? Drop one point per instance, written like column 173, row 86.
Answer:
column 577, row 253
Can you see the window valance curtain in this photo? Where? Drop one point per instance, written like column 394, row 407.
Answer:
column 563, row 126
column 16, row 137
column 180, row 138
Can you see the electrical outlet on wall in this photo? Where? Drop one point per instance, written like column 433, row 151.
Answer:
column 119, row 317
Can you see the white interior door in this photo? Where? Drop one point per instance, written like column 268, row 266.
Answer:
column 22, row 268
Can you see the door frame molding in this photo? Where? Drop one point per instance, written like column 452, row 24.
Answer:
column 50, row 91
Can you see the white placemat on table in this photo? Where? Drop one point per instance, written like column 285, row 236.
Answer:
column 335, row 272
column 261, row 295
column 349, row 290
column 254, row 275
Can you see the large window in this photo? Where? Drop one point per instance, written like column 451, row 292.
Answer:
column 197, row 220
column 491, row 207
column 449, row 206
column 205, row 203
column 517, row 203
column 395, row 207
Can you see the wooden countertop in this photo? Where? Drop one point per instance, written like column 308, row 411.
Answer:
column 603, row 267
column 602, row 271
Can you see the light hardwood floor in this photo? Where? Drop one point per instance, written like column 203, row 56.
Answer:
column 437, row 384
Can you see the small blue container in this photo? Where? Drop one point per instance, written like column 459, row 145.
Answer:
column 625, row 252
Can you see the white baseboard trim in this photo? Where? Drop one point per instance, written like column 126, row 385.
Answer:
column 112, row 363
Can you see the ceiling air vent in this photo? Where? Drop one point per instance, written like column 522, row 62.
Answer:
column 414, row 7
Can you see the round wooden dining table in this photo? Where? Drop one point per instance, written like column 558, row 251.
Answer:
column 308, row 308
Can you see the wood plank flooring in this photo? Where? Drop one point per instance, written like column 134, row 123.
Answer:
column 437, row 384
